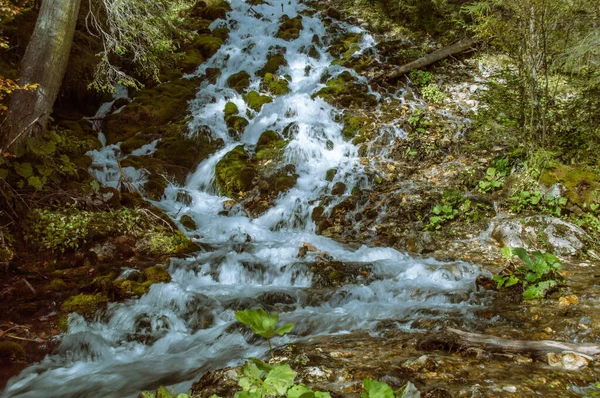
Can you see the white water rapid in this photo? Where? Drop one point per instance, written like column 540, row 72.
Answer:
column 182, row 329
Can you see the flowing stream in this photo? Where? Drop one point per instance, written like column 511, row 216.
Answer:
column 182, row 329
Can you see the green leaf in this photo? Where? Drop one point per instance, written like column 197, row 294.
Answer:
column 506, row 252
column 377, row 389
column 35, row 182
column 25, row 170
column 284, row 329
column 437, row 209
column 247, row 394
column 261, row 322
column 512, row 280
column 538, row 290
column 163, row 393
column 523, row 255
column 491, row 171
column 281, row 378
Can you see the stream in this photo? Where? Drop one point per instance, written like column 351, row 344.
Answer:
column 182, row 329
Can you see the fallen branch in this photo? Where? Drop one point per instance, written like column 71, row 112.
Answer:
column 453, row 339
column 429, row 59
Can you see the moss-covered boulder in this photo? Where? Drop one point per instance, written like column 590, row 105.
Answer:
column 255, row 101
column 290, row 28
column 236, row 125
column 270, row 146
column 275, row 85
column 234, row 172
column 188, row 223
column 581, row 185
column 345, row 90
column 208, row 45
column 274, row 62
column 239, row 81
column 84, row 304
column 214, row 10
column 353, row 124
column 11, row 352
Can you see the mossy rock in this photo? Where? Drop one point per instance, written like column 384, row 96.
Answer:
column 255, row 101
column 212, row 74
column 234, row 172
column 274, row 62
column 275, row 85
column 222, row 33
column 582, row 186
column 270, row 146
column 346, row 45
column 216, row 10
column 230, row 109
column 157, row 274
column 153, row 107
column 191, row 59
column 290, row 28
column 57, row 285
column 11, row 352
column 329, row 176
column 345, row 90
column 208, row 45
column 239, row 81
column 132, row 143
column 84, row 304
column 188, row 222
column 339, row 188
column 353, row 125
column 164, row 243
column 236, row 125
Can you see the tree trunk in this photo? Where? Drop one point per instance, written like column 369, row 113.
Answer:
column 429, row 59
column 44, row 63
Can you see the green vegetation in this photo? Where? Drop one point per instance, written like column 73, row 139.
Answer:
column 263, row 324
column 234, row 172
column 536, row 276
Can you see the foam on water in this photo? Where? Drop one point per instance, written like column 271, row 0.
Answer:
column 182, row 329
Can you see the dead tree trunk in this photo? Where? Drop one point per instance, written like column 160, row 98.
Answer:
column 429, row 59
column 452, row 339
column 44, row 63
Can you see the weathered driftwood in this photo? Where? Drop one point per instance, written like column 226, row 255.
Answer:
column 429, row 59
column 454, row 339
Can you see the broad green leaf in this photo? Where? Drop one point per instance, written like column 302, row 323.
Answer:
column 299, row 391
column 260, row 321
column 377, row 389
column 538, row 290
column 512, row 280
column 523, row 255
column 563, row 201
column 163, row 393
column 35, row 182
column 437, row 209
column 248, row 394
column 183, row 395
column 491, row 171
column 506, row 252
column 23, row 169
column 281, row 378
column 284, row 329
column 262, row 365
column 250, row 370
column 499, row 279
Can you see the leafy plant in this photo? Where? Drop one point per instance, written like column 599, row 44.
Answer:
column 420, row 77
column 263, row 324
column 433, row 93
column 379, row 389
column 493, row 180
column 537, row 275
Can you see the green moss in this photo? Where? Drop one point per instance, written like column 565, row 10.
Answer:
column 84, row 304
column 330, row 174
column 353, row 125
column 274, row 62
column 234, row 172
column 188, row 222
column 157, row 274
column 222, row 33
column 285, row 182
column 239, row 81
column 236, row 124
column 230, row 109
column 270, row 145
column 190, row 60
column 345, row 90
column 256, row 101
column 208, row 45
column 582, row 186
column 339, row 188
column 166, row 243
column 275, row 85
column 216, row 10
column 11, row 352
column 132, row 143
column 57, row 285
column 290, row 28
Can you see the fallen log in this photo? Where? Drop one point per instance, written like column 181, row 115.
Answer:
column 428, row 59
column 454, row 339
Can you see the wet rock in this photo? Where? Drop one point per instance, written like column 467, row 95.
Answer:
column 188, row 222
column 423, row 363
column 328, row 273
column 339, row 188
column 234, row 173
column 239, row 81
column 11, row 352
column 275, row 85
column 221, row 382
column 274, row 62
column 290, row 28
column 540, row 232
column 345, row 90
column 568, row 360
column 255, row 101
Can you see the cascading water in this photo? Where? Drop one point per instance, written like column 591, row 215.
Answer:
column 181, row 329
